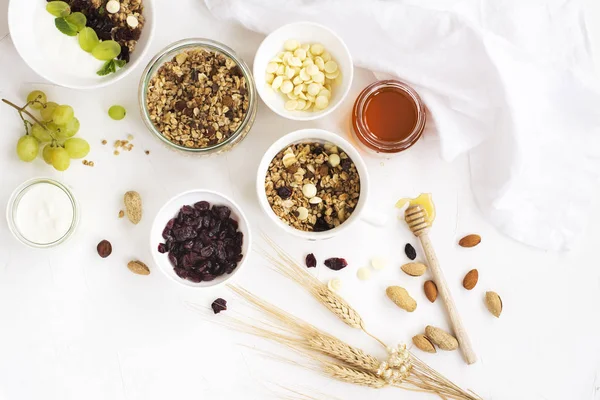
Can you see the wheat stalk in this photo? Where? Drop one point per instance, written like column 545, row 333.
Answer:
column 337, row 358
column 354, row 376
column 287, row 266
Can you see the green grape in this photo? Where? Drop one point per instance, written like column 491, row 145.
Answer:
column 47, row 110
column 37, row 98
column 78, row 20
column 60, row 159
column 40, row 133
column 27, row 148
column 77, row 147
column 70, row 129
column 55, row 129
column 48, row 152
column 88, row 39
column 106, row 50
column 63, row 114
column 117, row 112
column 58, row 8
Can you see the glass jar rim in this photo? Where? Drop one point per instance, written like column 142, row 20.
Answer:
column 175, row 48
column 13, row 205
column 360, row 124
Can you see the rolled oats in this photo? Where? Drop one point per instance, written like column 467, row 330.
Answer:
column 306, row 165
column 198, row 99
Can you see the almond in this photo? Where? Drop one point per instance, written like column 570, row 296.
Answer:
column 431, row 291
column 401, row 298
column 471, row 279
column 470, row 241
column 493, row 303
column 423, row 343
column 414, row 268
column 138, row 267
column 441, row 338
column 133, row 206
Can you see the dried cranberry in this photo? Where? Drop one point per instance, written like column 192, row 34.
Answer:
column 222, row 212
column 284, row 192
column 219, row 305
column 317, row 150
column 336, row 263
column 346, row 164
column 202, row 205
column 321, row 225
column 410, row 251
column 311, row 261
column 162, row 248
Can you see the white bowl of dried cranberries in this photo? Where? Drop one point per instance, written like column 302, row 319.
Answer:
column 200, row 238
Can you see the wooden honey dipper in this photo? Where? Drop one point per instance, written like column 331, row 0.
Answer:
column 416, row 218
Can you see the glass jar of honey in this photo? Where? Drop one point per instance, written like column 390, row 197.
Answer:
column 388, row 116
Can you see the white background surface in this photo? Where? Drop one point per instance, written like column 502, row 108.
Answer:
column 75, row 326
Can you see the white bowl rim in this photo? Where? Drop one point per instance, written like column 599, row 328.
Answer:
column 102, row 83
column 308, row 116
column 247, row 236
column 319, row 134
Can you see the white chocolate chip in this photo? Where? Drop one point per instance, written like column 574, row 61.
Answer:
column 363, row 274
column 269, row 78
column 312, row 69
column 378, row 263
column 302, row 213
column 277, row 82
column 297, row 80
column 334, row 284
column 132, row 21
column 113, row 6
column 334, row 160
column 272, row 67
column 319, row 63
column 315, row 200
column 313, row 89
column 301, row 104
column 321, row 102
column 317, row 49
column 333, row 75
column 290, row 45
column 300, row 53
column 286, row 87
column 330, row 67
column 309, row 190
column 291, row 105
column 319, row 77
column 326, row 56
column 280, row 69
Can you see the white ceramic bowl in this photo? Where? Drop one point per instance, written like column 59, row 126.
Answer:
column 170, row 210
column 58, row 57
column 319, row 136
column 304, row 32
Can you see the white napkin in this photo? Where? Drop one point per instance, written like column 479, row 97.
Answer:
column 508, row 81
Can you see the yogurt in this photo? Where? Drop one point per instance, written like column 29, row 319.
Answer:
column 44, row 213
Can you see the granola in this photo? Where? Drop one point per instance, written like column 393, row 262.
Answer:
column 312, row 187
column 198, row 99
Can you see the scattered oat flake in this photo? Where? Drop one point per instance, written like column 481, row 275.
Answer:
column 378, row 263
column 129, row 137
column 116, row 152
column 104, row 141
column 121, row 213
column 219, row 305
column 311, row 261
column 147, row 152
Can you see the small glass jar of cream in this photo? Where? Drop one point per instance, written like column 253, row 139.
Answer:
column 42, row 213
column 388, row 117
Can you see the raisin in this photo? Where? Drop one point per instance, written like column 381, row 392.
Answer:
column 219, row 305
column 284, row 192
column 346, row 164
column 336, row 263
column 311, row 261
column 410, row 251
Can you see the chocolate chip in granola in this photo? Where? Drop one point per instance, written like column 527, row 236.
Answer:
column 180, row 105
column 284, row 192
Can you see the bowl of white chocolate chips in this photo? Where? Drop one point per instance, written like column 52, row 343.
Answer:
column 303, row 71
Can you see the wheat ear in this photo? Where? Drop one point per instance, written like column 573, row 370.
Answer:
column 353, row 375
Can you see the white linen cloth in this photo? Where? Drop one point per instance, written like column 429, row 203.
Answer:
column 510, row 81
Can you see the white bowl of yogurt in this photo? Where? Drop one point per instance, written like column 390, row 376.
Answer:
column 42, row 213
column 58, row 57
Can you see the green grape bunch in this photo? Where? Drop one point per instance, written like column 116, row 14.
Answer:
column 52, row 131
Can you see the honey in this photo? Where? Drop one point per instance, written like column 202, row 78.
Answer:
column 424, row 200
column 388, row 117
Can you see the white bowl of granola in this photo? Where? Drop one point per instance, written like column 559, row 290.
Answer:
column 313, row 184
column 57, row 54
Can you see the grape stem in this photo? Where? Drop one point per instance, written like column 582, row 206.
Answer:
column 22, row 110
